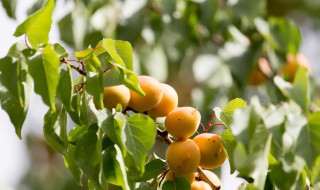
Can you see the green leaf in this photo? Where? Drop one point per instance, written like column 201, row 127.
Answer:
column 285, row 173
column 285, row 35
column 119, row 51
column 45, row 73
column 65, row 87
column 179, row 183
column 114, row 167
column 140, row 133
column 152, row 170
column 15, row 86
column 10, row 7
column 59, row 49
column 299, row 91
column 249, row 10
column 56, row 122
column 229, row 143
column 66, row 30
column 225, row 115
column 70, row 163
column 88, row 155
column 37, row 26
column 94, row 86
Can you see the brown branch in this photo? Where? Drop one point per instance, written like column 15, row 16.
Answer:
column 81, row 71
column 109, row 68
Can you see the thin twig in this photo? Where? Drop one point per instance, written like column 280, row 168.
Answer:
column 109, row 68
column 77, row 68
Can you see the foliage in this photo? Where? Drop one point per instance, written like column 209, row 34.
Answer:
column 202, row 48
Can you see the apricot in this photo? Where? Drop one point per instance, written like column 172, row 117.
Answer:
column 294, row 62
column 214, row 179
column 153, row 94
column 170, row 176
column 182, row 122
column 200, row 185
column 114, row 95
column 183, row 157
column 211, row 150
column 168, row 102
column 260, row 74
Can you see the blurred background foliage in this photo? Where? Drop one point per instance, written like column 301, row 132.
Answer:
column 206, row 49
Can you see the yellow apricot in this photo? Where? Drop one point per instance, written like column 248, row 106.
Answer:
column 211, row 150
column 182, row 122
column 183, row 157
column 294, row 62
column 170, row 176
column 153, row 94
column 260, row 74
column 168, row 103
column 114, row 95
column 200, row 185
column 212, row 177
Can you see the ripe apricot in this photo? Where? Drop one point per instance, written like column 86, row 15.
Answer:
column 153, row 94
column 260, row 74
column 170, row 176
column 212, row 177
column 114, row 95
column 168, row 103
column 200, row 185
column 183, row 157
column 182, row 122
column 211, row 149
column 294, row 62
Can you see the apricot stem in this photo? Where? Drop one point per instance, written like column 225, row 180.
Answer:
column 202, row 126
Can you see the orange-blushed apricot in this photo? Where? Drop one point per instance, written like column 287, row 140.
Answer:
column 183, row 157
column 168, row 102
column 200, row 185
column 294, row 62
column 153, row 94
column 114, row 95
column 182, row 122
column 211, row 149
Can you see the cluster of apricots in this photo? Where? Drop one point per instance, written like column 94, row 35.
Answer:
column 184, row 155
column 262, row 72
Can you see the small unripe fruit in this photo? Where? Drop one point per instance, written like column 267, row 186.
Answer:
column 183, row 157
column 200, row 185
column 211, row 149
column 168, row 103
column 153, row 94
column 114, row 95
column 170, row 176
column 183, row 122
column 212, row 177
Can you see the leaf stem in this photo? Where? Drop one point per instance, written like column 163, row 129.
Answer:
column 109, row 68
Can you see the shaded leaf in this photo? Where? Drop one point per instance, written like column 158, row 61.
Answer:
column 152, row 169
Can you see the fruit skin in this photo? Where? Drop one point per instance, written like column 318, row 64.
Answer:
column 182, row 122
column 211, row 149
column 183, row 157
column 116, row 94
column 212, row 177
column 200, row 185
column 168, row 102
column 170, row 176
column 294, row 62
column 260, row 74
column 153, row 94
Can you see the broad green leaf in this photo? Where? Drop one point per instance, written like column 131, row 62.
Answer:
column 55, row 129
column 225, row 115
column 117, row 76
column 37, row 26
column 248, row 10
column 65, row 87
column 179, row 183
column 285, row 35
column 76, row 132
column 15, row 86
column 152, row 169
column 70, row 163
column 88, row 155
column 10, row 7
column 45, row 73
column 119, row 51
column 140, row 133
column 66, row 30
column 114, row 167
column 94, row 86
column 84, row 54
column 285, row 173
column 229, row 143
column 299, row 91
column 59, row 49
